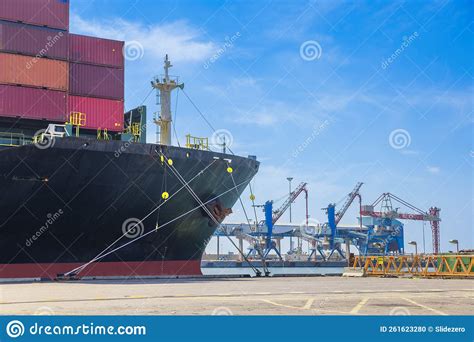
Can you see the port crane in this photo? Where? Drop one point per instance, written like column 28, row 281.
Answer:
column 350, row 198
column 325, row 236
column 263, row 248
column 291, row 198
column 387, row 211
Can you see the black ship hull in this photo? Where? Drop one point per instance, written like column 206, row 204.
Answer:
column 63, row 205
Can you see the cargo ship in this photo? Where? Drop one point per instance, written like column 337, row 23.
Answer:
column 82, row 192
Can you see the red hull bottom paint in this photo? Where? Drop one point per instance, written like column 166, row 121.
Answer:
column 103, row 269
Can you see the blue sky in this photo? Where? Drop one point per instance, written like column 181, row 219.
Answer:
column 328, row 92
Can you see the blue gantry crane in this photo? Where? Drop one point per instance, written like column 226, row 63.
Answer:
column 261, row 236
column 376, row 232
column 325, row 238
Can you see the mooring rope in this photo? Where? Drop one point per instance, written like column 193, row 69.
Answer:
column 264, row 265
column 155, row 230
column 203, row 116
column 196, row 197
column 140, row 221
column 255, row 212
column 252, row 198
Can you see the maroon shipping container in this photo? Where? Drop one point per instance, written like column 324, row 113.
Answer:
column 51, row 13
column 96, row 81
column 33, row 103
column 33, row 41
column 100, row 113
column 96, row 51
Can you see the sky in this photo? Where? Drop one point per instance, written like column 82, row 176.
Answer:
column 327, row 92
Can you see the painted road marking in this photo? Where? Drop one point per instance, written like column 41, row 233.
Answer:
column 326, row 311
column 424, row 306
column 282, row 305
column 359, row 306
column 309, row 303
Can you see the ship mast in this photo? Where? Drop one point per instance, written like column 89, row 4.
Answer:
column 165, row 85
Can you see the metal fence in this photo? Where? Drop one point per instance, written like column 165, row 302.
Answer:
column 416, row 265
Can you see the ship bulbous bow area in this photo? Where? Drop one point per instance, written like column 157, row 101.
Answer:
column 218, row 211
column 97, row 191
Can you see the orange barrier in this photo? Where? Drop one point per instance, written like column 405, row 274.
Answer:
column 416, row 265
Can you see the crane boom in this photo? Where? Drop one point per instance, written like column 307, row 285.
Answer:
column 349, row 200
column 293, row 196
column 402, row 216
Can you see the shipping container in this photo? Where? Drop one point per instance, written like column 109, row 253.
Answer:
column 33, row 41
column 33, row 103
column 96, row 51
column 99, row 113
column 96, row 81
column 32, row 71
column 50, row 13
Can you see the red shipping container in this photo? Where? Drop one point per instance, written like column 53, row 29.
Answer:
column 32, row 103
column 96, row 81
column 51, row 13
column 33, row 41
column 100, row 113
column 35, row 72
column 96, row 51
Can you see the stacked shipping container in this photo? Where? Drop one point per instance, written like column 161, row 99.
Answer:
column 96, row 51
column 32, row 103
column 49, row 13
column 32, row 41
column 33, row 59
column 47, row 73
column 42, row 73
column 96, row 79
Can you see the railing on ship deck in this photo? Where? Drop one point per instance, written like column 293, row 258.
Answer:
column 197, row 143
column 13, row 139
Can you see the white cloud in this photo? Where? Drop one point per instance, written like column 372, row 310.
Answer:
column 178, row 39
column 433, row 169
column 267, row 114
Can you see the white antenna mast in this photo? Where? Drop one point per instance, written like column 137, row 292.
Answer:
column 165, row 85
